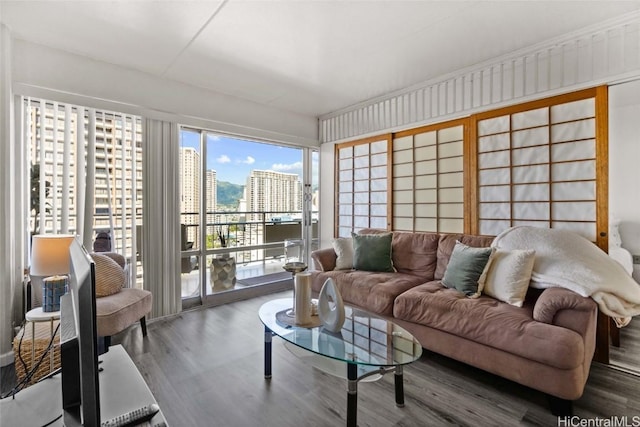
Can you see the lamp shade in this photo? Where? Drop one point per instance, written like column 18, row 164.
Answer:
column 50, row 254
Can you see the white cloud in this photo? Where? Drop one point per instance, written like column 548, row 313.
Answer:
column 223, row 159
column 287, row 167
column 213, row 137
column 249, row 160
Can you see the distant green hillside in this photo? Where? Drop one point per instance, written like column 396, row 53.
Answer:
column 228, row 193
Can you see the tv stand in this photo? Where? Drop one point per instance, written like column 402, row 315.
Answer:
column 122, row 389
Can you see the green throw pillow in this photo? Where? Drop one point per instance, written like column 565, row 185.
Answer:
column 465, row 268
column 372, row 252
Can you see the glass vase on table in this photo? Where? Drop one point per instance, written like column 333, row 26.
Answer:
column 294, row 263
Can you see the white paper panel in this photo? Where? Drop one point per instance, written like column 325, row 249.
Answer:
column 493, row 228
column 574, row 211
column 530, row 210
column 574, row 171
column 529, row 137
column 405, row 196
column 379, row 222
column 404, row 156
column 583, row 129
column 426, row 181
column 403, row 183
column 345, row 221
column 345, row 198
column 345, row 209
column 495, row 210
column 345, row 187
column 346, row 164
column 402, row 170
column 494, row 176
column 573, row 110
column 361, row 221
column 454, row 179
column 345, row 152
column 346, row 175
column 404, row 143
column 450, row 225
column 379, row 147
column 424, row 139
column 361, row 210
column 378, row 210
column 538, row 173
column 361, row 150
column 426, row 196
column 581, row 190
column 495, row 125
column 378, row 197
column 360, row 186
column 379, row 159
column 359, row 174
column 344, row 232
column 402, row 224
column 526, row 156
column 429, row 166
column 426, row 210
column 576, row 150
column 361, row 162
column 451, row 210
column 531, row 118
column 379, row 172
column 450, row 149
column 426, row 224
column 404, row 210
column 453, row 164
column 378, row 184
column 539, row 224
column 498, row 193
column 585, row 229
column 448, row 195
column 425, row 153
column 361, row 197
column 494, row 142
column 455, row 133
column 493, row 160
column 531, row 192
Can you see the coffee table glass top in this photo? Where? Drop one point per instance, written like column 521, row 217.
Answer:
column 365, row 338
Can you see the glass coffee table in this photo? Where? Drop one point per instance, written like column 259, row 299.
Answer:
column 368, row 345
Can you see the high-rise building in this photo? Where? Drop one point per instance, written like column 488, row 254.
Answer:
column 190, row 192
column 277, row 192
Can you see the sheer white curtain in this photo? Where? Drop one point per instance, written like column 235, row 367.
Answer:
column 161, row 212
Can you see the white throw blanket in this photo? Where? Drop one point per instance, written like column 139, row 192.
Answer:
column 567, row 260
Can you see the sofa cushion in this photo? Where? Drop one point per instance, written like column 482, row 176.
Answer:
column 110, row 277
column 373, row 291
column 116, row 312
column 465, row 268
column 446, row 245
column 488, row 321
column 343, row 246
column 372, row 252
column 508, row 276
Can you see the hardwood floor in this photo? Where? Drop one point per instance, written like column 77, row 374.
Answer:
column 205, row 368
column 627, row 356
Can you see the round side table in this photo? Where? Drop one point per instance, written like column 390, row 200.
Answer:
column 35, row 316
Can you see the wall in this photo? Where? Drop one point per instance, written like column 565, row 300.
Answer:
column 624, row 155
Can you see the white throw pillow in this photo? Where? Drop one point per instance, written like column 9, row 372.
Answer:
column 343, row 247
column 509, row 274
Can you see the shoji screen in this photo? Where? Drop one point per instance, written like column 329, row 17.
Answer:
column 537, row 166
column 362, row 176
column 428, row 185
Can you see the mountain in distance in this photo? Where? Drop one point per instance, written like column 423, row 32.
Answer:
column 229, row 194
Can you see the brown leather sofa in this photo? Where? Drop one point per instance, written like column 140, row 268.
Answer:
column 547, row 344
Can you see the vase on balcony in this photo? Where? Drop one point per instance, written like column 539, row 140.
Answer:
column 223, row 273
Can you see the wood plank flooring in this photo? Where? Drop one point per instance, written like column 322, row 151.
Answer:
column 627, row 355
column 205, row 368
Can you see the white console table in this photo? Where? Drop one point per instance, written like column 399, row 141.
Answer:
column 122, row 389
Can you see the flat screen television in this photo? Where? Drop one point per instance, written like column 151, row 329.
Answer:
column 78, row 342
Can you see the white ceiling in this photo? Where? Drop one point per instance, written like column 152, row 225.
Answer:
column 306, row 56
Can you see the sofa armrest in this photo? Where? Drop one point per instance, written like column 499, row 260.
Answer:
column 324, row 259
column 565, row 308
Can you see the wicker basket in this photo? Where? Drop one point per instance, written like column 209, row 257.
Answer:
column 41, row 341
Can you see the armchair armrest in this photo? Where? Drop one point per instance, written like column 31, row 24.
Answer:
column 565, row 308
column 324, row 259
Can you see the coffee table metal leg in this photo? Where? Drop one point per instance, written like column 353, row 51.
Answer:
column 352, row 394
column 399, row 386
column 268, row 335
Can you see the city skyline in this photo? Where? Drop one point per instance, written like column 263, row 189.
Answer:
column 233, row 159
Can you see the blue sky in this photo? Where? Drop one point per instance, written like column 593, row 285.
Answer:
column 233, row 159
